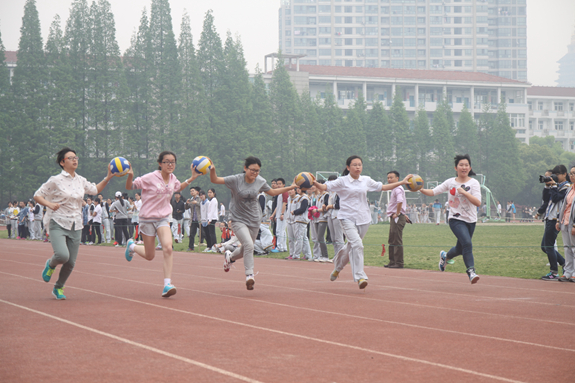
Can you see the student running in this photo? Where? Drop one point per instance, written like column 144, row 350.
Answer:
column 464, row 196
column 157, row 190
column 245, row 211
column 63, row 196
column 354, row 215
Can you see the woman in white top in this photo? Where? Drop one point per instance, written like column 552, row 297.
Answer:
column 63, row 195
column 136, row 217
column 464, row 197
column 97, row 221
column 354, row 215
column 212, row 219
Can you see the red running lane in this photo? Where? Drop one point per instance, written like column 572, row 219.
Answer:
column 408, row 325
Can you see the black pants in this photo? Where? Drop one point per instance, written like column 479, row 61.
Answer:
column 96, row 229
column 211, row 233
column 85, row 234
column 121, row 227
column 194, row 226
column 9, row 228
column 22, row 231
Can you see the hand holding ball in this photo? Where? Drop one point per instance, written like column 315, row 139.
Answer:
column 202, row 164
column 119, row 166
column 415, row 183
column 304, row 180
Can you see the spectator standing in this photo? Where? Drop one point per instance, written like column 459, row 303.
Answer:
column 397, row 220
column 178, row 207
column 437, row 211
column 194, row 204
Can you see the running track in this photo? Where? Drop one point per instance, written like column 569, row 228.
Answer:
column 295, row 326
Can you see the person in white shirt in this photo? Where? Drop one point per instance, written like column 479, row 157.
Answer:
column 212, row 219
column 136, row 217
column 222, row 212
column 464, row 196
column 63, row 195
column 97, row 221
column 31, row 220
column 354, row 215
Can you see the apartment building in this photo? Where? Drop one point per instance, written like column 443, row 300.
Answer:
column 551, row 113
column 468, row 35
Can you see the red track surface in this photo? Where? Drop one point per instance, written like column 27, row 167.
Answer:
column 296, row 326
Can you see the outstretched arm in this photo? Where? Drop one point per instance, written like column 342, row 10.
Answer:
column 396, row 184
column 214, row 177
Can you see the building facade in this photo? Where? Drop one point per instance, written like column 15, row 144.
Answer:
column 552, row 113
column 487, row 36
column 567, row 66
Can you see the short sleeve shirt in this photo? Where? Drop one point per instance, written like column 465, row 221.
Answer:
column 459, row 206
column 352, row 193
column 244, row 206
column 68, row 192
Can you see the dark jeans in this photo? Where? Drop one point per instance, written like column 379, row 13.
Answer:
column 85, row 237
column 121, row 227
column 194, row 226
column 96, row 229
column 463, row 232
column 211, row 234
column 396, row 241
column 9, row 228
column 548, row 246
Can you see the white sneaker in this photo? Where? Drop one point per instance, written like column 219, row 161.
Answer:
column 250, row 282
column 473, row 278
column 323, row 259
column 227, row 260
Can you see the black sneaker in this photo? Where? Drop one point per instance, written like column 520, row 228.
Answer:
column 550, row 277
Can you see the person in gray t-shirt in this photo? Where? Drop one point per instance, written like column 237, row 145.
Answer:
column 245, row 211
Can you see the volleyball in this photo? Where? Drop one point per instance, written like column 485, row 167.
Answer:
column 119, row 166
column 415, row 183
column 304, row 180
column 202, row 164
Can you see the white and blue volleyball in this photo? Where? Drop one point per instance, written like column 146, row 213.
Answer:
column 119, row 166
column 202, row 164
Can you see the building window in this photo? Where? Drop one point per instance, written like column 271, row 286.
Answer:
column 558, row 125
column 540, row 105
column 571, row 106
column 541, row 125
column 558, row 106
column 572, row 125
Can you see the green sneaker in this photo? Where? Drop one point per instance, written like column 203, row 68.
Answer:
column 48, row 271
column 59, row 293
column 450, row 261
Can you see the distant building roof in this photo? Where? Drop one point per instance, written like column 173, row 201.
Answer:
column 551, row 91
column 416, row 74
column 11, row 57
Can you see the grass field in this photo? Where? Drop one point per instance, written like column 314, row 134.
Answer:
column 511, row 250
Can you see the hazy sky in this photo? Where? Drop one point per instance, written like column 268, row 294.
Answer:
column 550, row 24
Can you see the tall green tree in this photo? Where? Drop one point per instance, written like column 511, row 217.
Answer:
column 285, row 112
column 78, row 37
column 379, row 149
column 262, row 123
column 32, row 164
column 331, row 119
column 467, row 138
column 354, row 133
column 6, row 133
column 138, row 69
column 165, row 83
column 403, row 137
column 193, row 114
column 422, row 140
column 312, row 154
column 443, row 147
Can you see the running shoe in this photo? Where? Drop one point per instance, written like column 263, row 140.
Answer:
column 362, row 283
column 450, row 261
column 48, row 271
column 129, row 253
column 442, row 260
column 564, row 279
column 227, row 260
column 334, row 275
column 316, row 259
column 250, row 282
column 169, row 290
column 274, row 251
column 473, row 278
column 550, row 277
column 324, row 259
column 59, row 293
column 290, row 257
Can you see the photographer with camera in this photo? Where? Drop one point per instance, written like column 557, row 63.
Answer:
column 556, row 186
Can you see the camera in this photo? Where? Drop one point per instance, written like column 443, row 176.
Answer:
column 545, row 179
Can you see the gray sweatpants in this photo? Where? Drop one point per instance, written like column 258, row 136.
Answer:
column 301, row 241
column 352, row 252
column 336, row 233
column 247, row 236
column 65, row 244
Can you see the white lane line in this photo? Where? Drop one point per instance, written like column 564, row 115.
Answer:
column 136, row 344
column 254, row 327
column 363, row 297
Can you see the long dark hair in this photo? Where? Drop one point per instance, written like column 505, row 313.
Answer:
column 121, row 199
column 460, row 157
column 61, row 155
column 348, row 163
column 163, row 154
column 213, row 191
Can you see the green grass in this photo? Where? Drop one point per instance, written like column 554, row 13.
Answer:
column 511, row 250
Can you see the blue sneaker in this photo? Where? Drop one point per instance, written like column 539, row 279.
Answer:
column 129, row 254
column 169, row 290
column 442, row 260
column 274, row 251
column 48, row 271
column 59, row 294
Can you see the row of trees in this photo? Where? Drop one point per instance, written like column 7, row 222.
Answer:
column 164, row 93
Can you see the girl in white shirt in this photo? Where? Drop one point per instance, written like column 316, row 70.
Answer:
column 354, row 214
column 464, row 196
column 212, row 219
